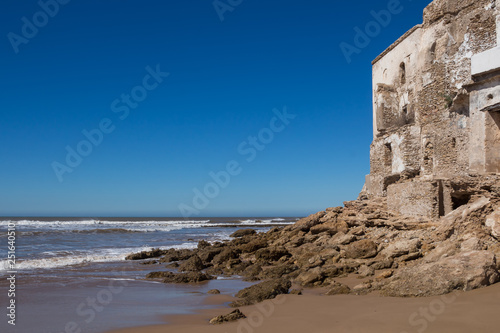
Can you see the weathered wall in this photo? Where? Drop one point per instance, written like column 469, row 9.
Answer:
column 427, row 118
column 485, row 126
column 414, row 198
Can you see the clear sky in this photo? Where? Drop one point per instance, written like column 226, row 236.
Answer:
column 132, row 108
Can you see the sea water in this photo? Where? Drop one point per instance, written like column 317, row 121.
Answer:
column 71, row 274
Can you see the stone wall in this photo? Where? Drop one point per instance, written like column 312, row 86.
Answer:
column 429, row 118
column 414, row 198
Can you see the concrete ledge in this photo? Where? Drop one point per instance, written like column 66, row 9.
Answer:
column 486, row 62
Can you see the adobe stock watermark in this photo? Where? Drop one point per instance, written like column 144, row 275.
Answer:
column 421, row 319
column 30, row 27
column 223, row 6
column 249, row 149
column 11, row 273
column 88, row 310
column 94, row 137
column 257, row 317
column 363, row 37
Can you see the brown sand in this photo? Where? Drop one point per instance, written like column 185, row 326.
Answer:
column 475, row 311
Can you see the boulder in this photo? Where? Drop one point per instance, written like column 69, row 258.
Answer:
column 159, row 275
column 384, row 275
column 362, row 249
column 378, row 265
column 155, row 253
column 472, row 243
column 176, row 255
column 493, row 222
column 338, row 288
column 233, row 316
column 252, row 272
column 444, row 249
column 278, row 271
column 449, row 223
column 225, row 255
column 191, row 277
column 193, row 264
column 308, row 222
column 310, row 277
column 400, row 248
column 253, row 246
column 362, row 288
column 365, row 271
column 214, row 292
column 243, row 232
column 207, row 254
column 317, row 276
column 342, row 239
column 410, row 256
column 331, row 227
column 271, row 253
column 262, row 291
column 203, row 244
column 464, row 271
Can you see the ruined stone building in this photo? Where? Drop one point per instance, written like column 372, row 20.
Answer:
column 436, row 110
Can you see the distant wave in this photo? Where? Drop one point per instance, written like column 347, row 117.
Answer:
column 89, row 231
column 34, row 227
column 67, row 258
column 37, row 223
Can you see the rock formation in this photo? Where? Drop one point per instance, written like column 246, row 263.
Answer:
column 428, row 220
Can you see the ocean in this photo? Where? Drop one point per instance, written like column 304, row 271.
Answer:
column 71, row 274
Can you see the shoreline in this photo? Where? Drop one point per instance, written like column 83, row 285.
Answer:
column 459, row 312
column 412, row 273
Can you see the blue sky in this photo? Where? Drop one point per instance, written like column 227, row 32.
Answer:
column 100, row 66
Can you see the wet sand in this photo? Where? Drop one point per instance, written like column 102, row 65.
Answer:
column 105, row 296
column 475, row 311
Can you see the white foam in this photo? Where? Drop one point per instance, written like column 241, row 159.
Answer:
column 97, row 225
column 34, row 227
column 65, row 258
column 277, row 221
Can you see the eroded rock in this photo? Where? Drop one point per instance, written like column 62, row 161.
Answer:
column 233, row 316
column 243, row 232
column 362, row 249
column 464, row 271
column 262, row 291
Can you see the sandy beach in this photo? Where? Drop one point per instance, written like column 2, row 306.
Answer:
column 474, row 311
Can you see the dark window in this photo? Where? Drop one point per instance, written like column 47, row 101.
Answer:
column 402, row 72
column 388, row 156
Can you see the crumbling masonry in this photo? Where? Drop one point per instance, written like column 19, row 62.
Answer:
column 436, row 111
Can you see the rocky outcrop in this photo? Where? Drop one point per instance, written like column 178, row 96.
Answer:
column 493, row 222
column 464, row 271
column 213, row 292
column 233, row 316
column 261, row 291
column 170, row 277
column 338, row 289
column 243, row 232
column 193, row 264
column 362, row 249
column 155, row 253
column 395, row 254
